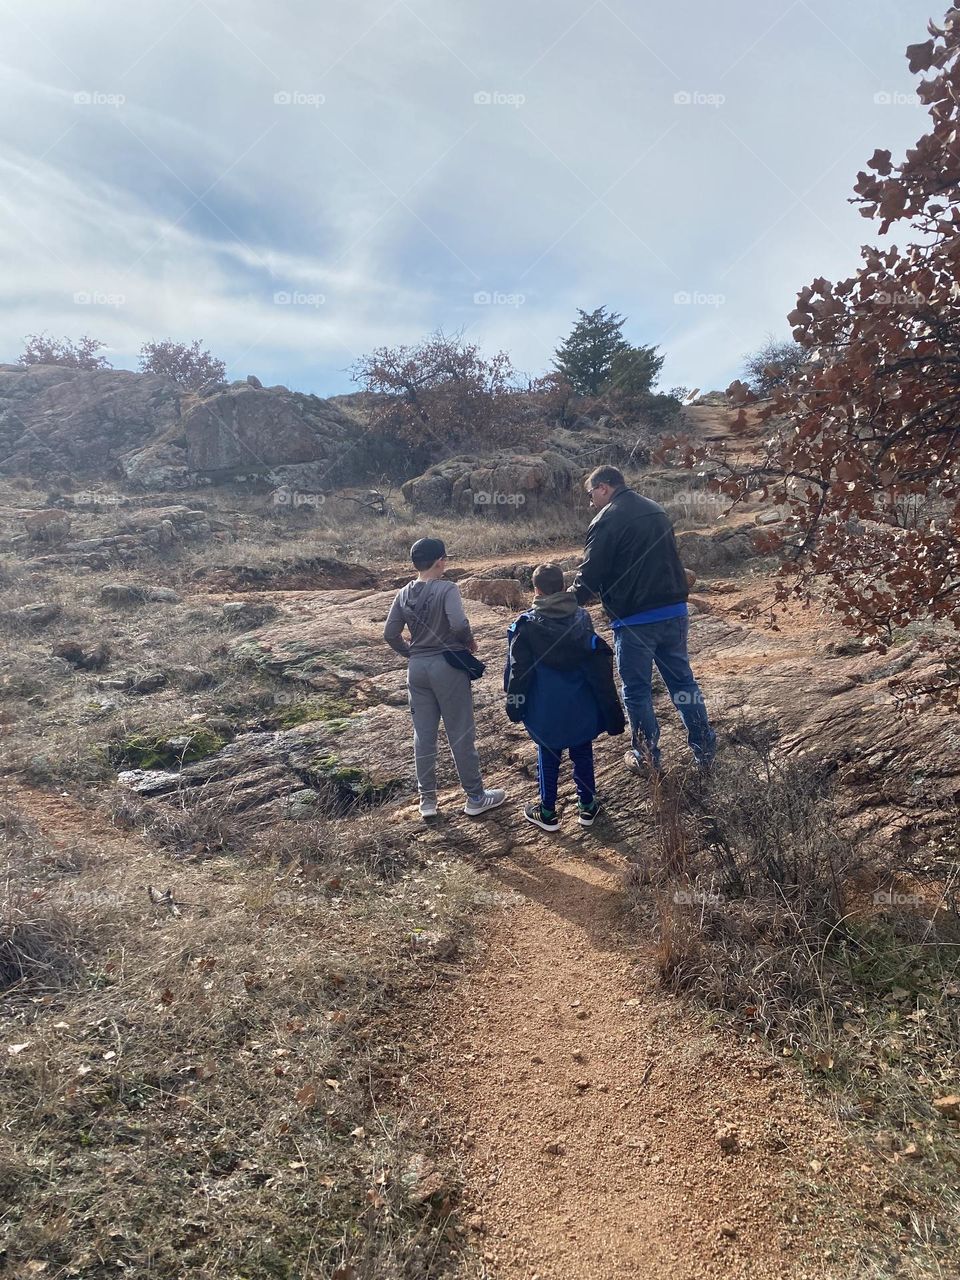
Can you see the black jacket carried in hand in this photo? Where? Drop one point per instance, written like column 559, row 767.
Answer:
column 630, row 559
column 559, row 675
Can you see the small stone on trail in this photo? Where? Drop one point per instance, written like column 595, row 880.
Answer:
column 727, row 1139
column 554, row 1148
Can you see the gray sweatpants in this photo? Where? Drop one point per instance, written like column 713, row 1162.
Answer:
column 438, row 692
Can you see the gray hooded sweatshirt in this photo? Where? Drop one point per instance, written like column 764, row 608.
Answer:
column 433, row 614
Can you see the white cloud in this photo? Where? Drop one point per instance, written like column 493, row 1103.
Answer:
column 384, row 186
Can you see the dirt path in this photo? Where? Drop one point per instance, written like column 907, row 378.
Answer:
column 595, row 1112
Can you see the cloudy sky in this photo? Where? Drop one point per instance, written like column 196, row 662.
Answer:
column 299, row 181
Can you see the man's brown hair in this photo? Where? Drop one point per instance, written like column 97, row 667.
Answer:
column 548, row 579
column 612, row 476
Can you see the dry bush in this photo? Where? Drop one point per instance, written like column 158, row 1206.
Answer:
column 757, row 918
column 750, row 884
column 39, row 946
column 47, row 928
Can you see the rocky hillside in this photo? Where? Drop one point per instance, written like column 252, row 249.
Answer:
column 68, row 424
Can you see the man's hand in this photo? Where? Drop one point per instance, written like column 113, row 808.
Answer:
column 472, row 646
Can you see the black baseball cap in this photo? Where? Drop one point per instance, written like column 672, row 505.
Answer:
column 426, row 551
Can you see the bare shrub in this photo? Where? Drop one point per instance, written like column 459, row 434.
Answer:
column 40, row 348
column 750, row 882
column 38, row 944
column 188, row 364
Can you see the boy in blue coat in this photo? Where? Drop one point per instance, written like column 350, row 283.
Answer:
column 559, row 685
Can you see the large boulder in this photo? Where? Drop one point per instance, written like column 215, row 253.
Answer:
column 242, row 429
column 501, row 593
column 62, row 422
column 721, row 550
column 504, row 486
column 79, row 421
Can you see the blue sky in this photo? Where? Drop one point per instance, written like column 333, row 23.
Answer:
column 301, row 181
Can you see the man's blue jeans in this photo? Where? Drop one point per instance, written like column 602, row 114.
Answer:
column 638, row 648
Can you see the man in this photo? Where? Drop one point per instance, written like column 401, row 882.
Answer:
column 631, row 562
column 431, row 608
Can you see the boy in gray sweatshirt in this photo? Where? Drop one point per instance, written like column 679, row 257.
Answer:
column 431, row 609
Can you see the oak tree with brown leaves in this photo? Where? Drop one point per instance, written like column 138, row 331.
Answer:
column 864, row 440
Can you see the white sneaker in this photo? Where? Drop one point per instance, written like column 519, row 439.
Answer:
column 428, row 808
column 491, row 799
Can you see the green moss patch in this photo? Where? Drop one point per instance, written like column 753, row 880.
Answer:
column 170, row 750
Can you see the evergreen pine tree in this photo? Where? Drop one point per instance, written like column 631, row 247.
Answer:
column 633, row 371
column 586, row 357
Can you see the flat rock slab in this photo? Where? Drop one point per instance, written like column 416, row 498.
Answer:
column 898, row 770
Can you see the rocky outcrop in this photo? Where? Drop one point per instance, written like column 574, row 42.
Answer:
column 303, row 772
column 299, row 573
column 501, row 593
column 503, row 486
column 898, row 768
column 74, row 422
column 717, row 552
column 134, row 534
column 896, row 760
column 246, row 430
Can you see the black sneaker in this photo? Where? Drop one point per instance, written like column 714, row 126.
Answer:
column 545, row 819
column 587, row 813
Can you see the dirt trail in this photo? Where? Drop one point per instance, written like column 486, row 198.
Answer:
column 593, row 1107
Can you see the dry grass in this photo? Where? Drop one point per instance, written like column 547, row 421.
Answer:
column 759, row 916
column 342, row 531
column 217, row 1089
